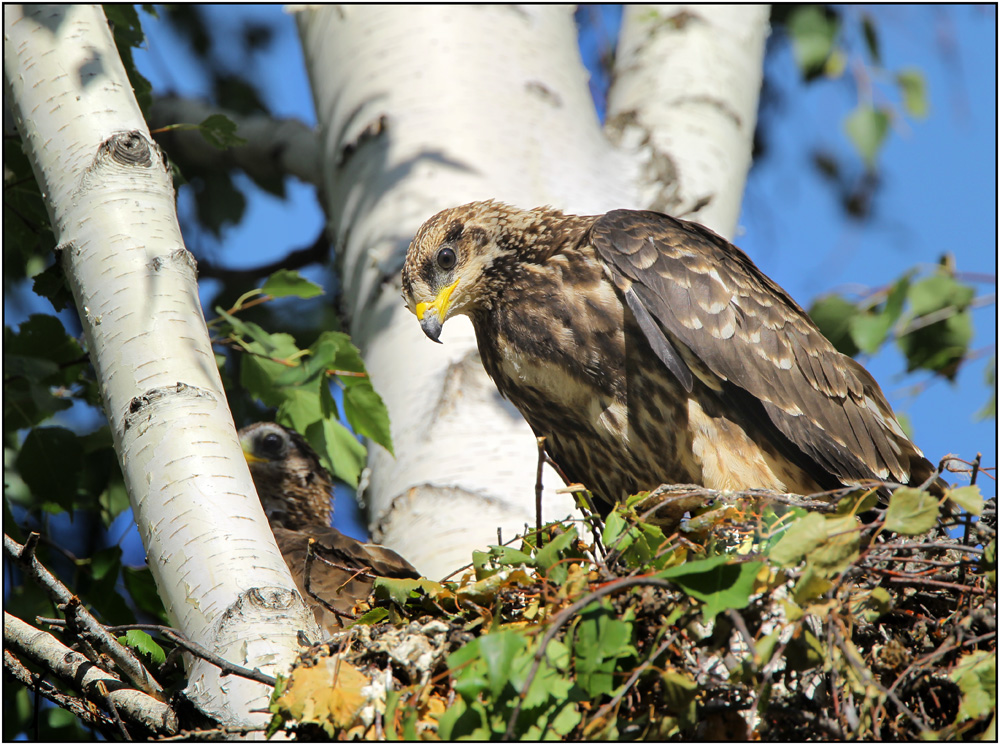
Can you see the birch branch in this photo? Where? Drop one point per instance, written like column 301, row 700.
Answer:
column 684, row 104
column 75, row 669
column 123, row 658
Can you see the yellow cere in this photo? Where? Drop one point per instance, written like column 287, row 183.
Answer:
column 440, row 302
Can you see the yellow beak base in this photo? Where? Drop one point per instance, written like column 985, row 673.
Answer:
column 431, row 322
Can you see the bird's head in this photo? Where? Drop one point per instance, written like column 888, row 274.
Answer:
column 292, row 484
column 462, row 259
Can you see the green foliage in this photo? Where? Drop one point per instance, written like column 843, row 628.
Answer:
column 867, row 127
column 911, row 512
column 277, row 372
column 914, row 90
column 813, row 29
column 719, row 582
column 929, row 318
column 622, row 643
column 143, row 643
column 490, row 674
column 220, row 131
column 41, row 362
column 820, row 37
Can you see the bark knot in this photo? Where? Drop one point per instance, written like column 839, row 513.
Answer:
column 128, row 149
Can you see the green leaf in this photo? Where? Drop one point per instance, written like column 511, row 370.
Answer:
column 840, row 549
column 939, row 347
column 911, row 511
column 914, row 90
column 802, row 536
column 680, row 693
column 218, row 202
column 601, row 640
column 464, row 721
column 300, row 408
column 870, row 330
column 969, row 498
column 937, row 292
column 367, row 414
column 833, row 315
column 339, row 450
column 989, row 409
column 49, row 462
column 372, row 617
column 499, row 651
column 813, row 32
column 105, row 562
column 549, row 559
column 51, row 284
column 289, row 283
column 143, row 642
column 142, row 589
column 220, row 131
column 43, row 337
column 125, row 24
column 976, row 676
column 720, row 585
column 399, row 590
column 509, row 556
column 867, row 128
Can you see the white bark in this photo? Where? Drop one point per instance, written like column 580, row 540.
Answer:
column 111, row 202
column 76, row 670
column 684, row 102
column 424, row 108
column 430, row 107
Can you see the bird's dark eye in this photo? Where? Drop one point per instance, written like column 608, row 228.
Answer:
column 272, row 445
column 446, row 258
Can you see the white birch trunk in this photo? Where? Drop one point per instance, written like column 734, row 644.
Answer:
column 684, row 104
column 111, row 203
column 473, row 103
column 424, row 108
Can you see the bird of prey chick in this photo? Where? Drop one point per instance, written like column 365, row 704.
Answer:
column 650, row 350
column 294, row 490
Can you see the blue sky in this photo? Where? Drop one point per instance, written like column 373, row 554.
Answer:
column 938, row 190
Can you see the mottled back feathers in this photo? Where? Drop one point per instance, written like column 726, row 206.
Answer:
column 650, row 350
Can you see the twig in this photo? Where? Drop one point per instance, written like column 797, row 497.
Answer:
column 894, row 578
column 929, row 544
column 540, row 441
column 75, row 669
column 43, row 689
column 863, row 673
column 227, row 667
column 218, row 733
column 103, row 689
column 560, row 619
column 123, row 658
column 968, row 523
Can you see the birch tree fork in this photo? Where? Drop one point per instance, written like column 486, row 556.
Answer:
column 427, row 108
column 111, row 203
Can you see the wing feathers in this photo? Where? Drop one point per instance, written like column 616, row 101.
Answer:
column 685, row 285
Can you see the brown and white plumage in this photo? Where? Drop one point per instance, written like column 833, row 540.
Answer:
column 650, row 350
column 294, row 490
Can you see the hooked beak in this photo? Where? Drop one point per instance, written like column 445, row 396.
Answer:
column 431, row 315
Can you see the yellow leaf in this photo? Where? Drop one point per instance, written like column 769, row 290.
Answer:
column 328, row 694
